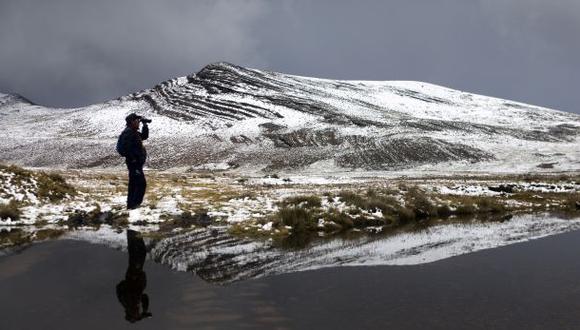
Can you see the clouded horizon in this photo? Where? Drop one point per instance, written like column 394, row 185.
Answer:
column 68, row 53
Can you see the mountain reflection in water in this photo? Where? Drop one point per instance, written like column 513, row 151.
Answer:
column 216, row 256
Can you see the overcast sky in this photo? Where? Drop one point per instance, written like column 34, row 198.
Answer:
column 70, row 53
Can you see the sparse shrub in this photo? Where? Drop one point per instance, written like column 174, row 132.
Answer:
column 10, row 210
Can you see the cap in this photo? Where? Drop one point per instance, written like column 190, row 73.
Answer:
column 132, row 117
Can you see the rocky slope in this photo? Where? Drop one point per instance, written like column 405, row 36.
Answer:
column 226, row 116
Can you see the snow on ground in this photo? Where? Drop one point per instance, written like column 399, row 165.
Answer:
column 244, row 209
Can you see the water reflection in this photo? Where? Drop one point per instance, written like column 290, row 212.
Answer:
column 216, row 256
column 130, row 290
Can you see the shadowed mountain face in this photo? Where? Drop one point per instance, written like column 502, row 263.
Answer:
column 228, row 116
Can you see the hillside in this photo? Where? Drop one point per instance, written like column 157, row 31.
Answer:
column 226, row 116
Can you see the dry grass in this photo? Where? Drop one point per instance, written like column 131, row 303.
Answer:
column 300, row 219
column 54, row 187
column 50, row 186
column 306, row 201
column 341, row 220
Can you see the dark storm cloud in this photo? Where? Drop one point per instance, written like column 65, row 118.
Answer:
column 67, row 52
column 521, row 49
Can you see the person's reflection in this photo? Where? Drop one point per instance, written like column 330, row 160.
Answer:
column 130, row 290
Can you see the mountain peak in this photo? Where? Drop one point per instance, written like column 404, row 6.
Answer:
column 13, row 98
column 220, row 65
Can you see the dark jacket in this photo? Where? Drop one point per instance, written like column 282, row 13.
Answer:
column 133, row 142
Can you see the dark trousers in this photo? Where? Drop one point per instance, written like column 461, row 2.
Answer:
column 137, row 185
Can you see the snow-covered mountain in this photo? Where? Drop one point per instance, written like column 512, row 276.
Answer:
column 227, row 116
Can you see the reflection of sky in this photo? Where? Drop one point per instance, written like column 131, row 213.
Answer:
column 245, row 306
column 63, row 53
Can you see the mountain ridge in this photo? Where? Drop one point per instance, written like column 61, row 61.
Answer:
column 228, row 116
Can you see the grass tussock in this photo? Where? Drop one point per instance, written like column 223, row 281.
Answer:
column 420, row 204
column 474, row 205
column 300, row 219
column 337, row 220
column 374, row 201
column 54, row 187
column 306, row 201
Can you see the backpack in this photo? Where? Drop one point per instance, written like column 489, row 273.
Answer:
column 122, row 145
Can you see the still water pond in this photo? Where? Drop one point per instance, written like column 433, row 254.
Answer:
column 67, row 284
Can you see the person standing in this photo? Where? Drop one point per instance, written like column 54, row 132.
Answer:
column 130, row 145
